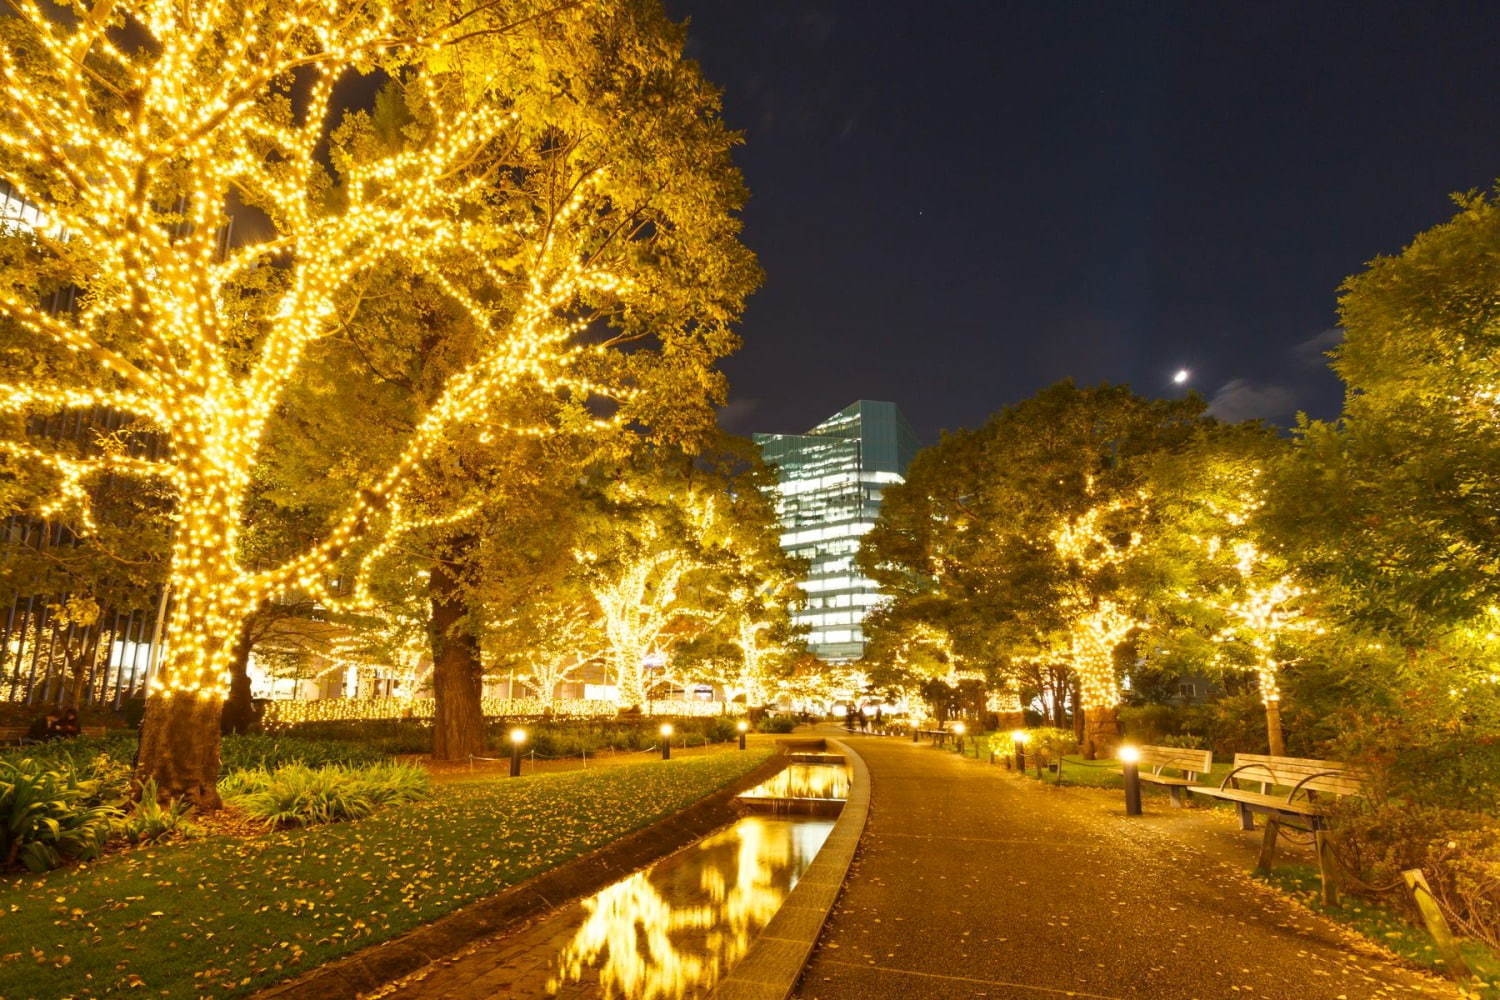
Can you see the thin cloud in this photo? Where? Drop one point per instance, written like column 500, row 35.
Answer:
column 1278, row 401
column 1244, row 399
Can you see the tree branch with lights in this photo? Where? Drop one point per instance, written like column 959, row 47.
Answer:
column 150, row 132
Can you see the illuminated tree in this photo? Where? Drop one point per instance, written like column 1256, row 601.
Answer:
column 143, row 128
column 1266, row 612
column 545, row 643
column 639, row 578
column 1015, row 538
column 1093, row 549
column 682, row 561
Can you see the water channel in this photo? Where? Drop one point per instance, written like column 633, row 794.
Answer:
column 669, row 931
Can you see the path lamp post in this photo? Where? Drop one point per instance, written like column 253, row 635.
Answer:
column 517, row 737
column 1130, row 759
column 743, row 727
column 666, row 741
column 1020, row 738
column 958, row 731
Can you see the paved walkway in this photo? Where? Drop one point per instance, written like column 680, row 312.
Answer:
column 972, row 882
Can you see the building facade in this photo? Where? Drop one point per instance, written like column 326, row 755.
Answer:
column 830, row 481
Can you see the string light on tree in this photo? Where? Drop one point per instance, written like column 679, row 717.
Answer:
column 137, row 154
column 1266, row 612
column 1088, row 547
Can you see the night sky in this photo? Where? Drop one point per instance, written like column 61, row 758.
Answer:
column 958, row 203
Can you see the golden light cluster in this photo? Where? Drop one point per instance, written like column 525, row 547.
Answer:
column 1098, row 625
column 290, row 713
column 137, row 154
column 1265, row 613
column 1005, row 701
column 643, row 611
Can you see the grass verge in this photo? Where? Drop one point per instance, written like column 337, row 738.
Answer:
column 1387, row 927
column 224, row 917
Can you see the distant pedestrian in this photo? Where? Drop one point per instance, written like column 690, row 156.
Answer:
column 862, row 719
column 879, row 717
column 67, row 726
column 43, row 728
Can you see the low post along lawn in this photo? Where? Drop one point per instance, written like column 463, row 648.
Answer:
column 226, row 916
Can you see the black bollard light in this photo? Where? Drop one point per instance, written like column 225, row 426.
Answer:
column 517, row 737
column 1020, row 738
column 1130, row 760
column 743, row 727
column 666, row 741
column 958, row 734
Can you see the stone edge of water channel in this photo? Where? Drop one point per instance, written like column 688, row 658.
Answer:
column 773, row 965
column 370, row 968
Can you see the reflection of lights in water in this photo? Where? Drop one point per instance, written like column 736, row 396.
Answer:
column 804, row 781
column 651, row 936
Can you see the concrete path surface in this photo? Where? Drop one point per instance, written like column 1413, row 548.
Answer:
column 973, row 882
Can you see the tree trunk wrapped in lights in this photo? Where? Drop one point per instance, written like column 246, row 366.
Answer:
column 138, row 127
column 1093, row 548
column 1097, row 635
column 1263, row 616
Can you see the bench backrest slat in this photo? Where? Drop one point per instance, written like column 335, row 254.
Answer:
column 1184, row 759
column 1330, row 776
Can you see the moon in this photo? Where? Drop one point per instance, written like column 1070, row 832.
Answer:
column 1181, row 376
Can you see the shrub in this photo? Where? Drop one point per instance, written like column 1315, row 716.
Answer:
column 777, row 724
column 720, row 730
column 49, row 816
column 1457, row 850
column 149, row 821
column 260, row 751
column 387, row 737
column 1051, row 744
column 78, row 753
column 298, row 795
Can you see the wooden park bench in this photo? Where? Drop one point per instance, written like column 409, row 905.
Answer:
column 1311, row 786
column 96, row 732
column 1189, row 765
column 938, row 736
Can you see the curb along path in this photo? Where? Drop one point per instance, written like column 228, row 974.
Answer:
column 971, row 882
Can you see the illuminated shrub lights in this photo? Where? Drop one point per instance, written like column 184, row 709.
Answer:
column 287, row 713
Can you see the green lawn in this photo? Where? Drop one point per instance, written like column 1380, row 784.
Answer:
column 1079, row 772
column 223, row 917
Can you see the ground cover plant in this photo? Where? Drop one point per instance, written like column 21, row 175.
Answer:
column 48, row 816
column 298, row 795
column 239, row 752
column 223, row 917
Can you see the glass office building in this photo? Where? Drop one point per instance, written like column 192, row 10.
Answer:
column 829, row 485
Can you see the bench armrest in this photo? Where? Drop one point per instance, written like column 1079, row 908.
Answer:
column 1243, row 767
column 1298, row 786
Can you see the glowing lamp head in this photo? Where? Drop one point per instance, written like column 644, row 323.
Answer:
column 1130, row 755
column 1022, row 736
column 666, row 729
column 518, row 736
column 742, row 726
column 959, row 727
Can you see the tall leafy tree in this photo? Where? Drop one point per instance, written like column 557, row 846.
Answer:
column 1393, row 509
column 544, row 212
column 1022, row 537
